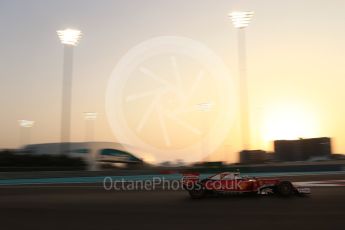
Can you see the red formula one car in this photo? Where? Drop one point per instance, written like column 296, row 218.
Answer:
column 233, row 183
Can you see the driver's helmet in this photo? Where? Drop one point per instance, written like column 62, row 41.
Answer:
column 237, row 175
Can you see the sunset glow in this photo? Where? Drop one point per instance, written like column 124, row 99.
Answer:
column 288, row 123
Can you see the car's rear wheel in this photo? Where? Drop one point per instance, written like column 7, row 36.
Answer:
column 197, row 193
column 284, row 188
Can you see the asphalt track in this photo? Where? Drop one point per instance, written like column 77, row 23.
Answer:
column 89, row 206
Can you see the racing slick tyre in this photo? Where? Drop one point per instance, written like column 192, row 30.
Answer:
column 284, row 188
column 197, row 193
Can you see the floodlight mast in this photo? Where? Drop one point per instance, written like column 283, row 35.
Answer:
column 26, row 123
column 204, row 108
column 69, row 38
column 25, row 131
column 90, row 116
column 90, row 119
column 241, row 20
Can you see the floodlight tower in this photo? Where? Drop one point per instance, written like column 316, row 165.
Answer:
column 241, row 20
column 69, row 38
column 25, row 128
column 90, row 119
column 203, row 108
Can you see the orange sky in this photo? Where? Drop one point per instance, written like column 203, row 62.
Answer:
column 295, row 63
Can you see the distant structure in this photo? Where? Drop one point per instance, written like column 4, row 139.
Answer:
column 303, row 149
column 311, row 149
column 253, row 157
column 94, row 153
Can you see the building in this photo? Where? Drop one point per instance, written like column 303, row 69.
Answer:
column 302, row 149
column 253, row 157
column 93, row 153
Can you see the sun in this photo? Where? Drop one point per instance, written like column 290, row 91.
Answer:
column 288, row 123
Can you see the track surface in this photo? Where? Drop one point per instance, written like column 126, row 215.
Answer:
column 91, row 207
